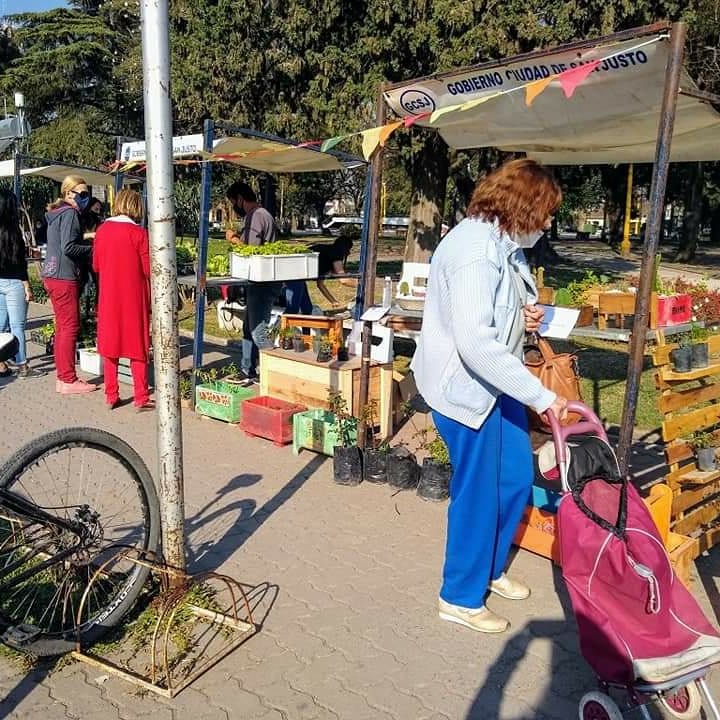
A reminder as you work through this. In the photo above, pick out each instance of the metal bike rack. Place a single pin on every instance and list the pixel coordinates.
(229, 628)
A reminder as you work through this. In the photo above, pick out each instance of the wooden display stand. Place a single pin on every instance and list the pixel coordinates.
(332, 327)
(690, 402)
(617, 305)
(299, 378)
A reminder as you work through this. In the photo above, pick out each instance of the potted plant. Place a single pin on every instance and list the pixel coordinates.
(681, 356)
(286, 338)
(185, 388)
(298, 342)
(575, 293)
(325, 350)
(374, 457)
(436, 471)
(705, 446)
(47, 336)
(698, 346)
(347, 461)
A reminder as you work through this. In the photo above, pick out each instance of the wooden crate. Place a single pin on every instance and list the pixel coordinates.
(331, 326)
(615, 305)
(299, 378)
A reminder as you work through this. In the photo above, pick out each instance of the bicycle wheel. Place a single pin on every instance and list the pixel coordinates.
(100, 486)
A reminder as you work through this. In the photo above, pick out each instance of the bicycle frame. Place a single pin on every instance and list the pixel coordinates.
(25, 509)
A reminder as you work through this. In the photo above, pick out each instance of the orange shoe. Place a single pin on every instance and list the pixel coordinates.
(74, 388)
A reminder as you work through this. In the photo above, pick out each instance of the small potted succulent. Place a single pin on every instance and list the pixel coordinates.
(705, 446)
(681, 356)
(698, 346)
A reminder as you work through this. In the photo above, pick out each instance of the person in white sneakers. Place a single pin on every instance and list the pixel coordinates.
(469, 368)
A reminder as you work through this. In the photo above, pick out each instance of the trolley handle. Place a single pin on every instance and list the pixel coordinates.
(589, 423)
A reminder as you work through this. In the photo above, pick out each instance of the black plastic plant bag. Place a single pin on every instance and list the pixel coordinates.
(347, 465)
(375, 466)
(402, 469)
(434, 481)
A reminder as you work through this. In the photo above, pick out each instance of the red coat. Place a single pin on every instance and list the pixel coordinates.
(121, 257)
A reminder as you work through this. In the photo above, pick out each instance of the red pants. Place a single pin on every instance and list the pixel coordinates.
(65, 299)
(139, 370)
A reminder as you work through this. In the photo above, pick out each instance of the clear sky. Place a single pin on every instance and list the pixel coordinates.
(9, 7)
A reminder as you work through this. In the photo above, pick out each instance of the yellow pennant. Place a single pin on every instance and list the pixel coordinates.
(470, 104)
(533, 89)
(377, 136)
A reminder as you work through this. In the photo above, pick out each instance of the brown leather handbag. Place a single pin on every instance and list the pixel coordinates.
(556, 371)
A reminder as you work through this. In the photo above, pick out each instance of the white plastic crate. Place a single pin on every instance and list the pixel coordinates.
(269, 268)
(90, 361)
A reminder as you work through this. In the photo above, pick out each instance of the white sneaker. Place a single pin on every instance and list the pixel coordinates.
(509, 589)
(481, 619)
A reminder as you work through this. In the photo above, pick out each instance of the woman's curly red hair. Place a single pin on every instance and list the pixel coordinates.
(520, 195)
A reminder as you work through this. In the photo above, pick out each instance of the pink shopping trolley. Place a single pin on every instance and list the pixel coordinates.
(639, 627)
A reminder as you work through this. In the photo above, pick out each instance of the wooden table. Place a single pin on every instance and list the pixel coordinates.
(299, 378)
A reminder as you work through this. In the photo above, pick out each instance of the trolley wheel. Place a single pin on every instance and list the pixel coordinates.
(682, 702)
(596, 705)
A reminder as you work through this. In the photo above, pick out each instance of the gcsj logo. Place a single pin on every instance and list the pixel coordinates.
(417, 102)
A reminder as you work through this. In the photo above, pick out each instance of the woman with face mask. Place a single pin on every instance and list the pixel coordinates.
(469, 368)
(66, 256)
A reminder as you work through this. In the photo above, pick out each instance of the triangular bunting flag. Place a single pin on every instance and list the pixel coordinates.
(470, 104)
(533, 89)
(370, 141)
(412, 119)
(330, 143)
(437, 114)
(570, 79)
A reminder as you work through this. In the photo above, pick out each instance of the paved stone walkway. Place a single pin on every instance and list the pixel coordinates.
(353, 633)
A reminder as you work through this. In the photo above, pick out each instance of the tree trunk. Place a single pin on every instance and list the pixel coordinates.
(693, 212)
(429, 174)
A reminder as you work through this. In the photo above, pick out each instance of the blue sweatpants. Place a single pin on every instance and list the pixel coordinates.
(490, 487)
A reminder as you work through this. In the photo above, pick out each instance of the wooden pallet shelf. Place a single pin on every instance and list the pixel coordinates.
(689, 403)
(669, 375)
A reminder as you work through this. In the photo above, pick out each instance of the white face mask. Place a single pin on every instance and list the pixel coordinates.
(528, 241)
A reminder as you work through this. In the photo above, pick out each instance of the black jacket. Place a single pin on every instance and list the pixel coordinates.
(66, 252)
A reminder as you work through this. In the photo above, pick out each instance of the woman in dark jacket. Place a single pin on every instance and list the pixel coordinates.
(66, 256)
(15, 293)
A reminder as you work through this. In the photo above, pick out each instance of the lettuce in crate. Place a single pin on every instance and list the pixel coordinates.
(218, 266)
(275, 248)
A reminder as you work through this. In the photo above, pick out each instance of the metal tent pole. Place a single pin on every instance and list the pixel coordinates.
(368, 279)
(652, 237)
(163, 274)
(201, 268)
(360, 290)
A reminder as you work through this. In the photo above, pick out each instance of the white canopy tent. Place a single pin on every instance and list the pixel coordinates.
(58, 171)
(637, 105)
(260, 152)
(611, 118)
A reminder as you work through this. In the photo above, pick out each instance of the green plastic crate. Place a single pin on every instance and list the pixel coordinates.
(221, 400)
(316, 430)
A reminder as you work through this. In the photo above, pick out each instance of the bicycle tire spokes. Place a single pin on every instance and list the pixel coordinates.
(86, 499)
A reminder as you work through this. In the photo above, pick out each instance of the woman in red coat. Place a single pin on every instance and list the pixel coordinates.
(121, 257)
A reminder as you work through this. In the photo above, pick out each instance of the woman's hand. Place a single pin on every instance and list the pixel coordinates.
(232, 236)
(559, 408)
(28, 293)
(534, 315)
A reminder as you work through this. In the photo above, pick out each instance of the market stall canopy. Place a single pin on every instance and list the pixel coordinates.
(58, 171)
(611, 116)
(257, 152)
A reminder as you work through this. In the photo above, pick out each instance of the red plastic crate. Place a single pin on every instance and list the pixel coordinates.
(270, 418)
